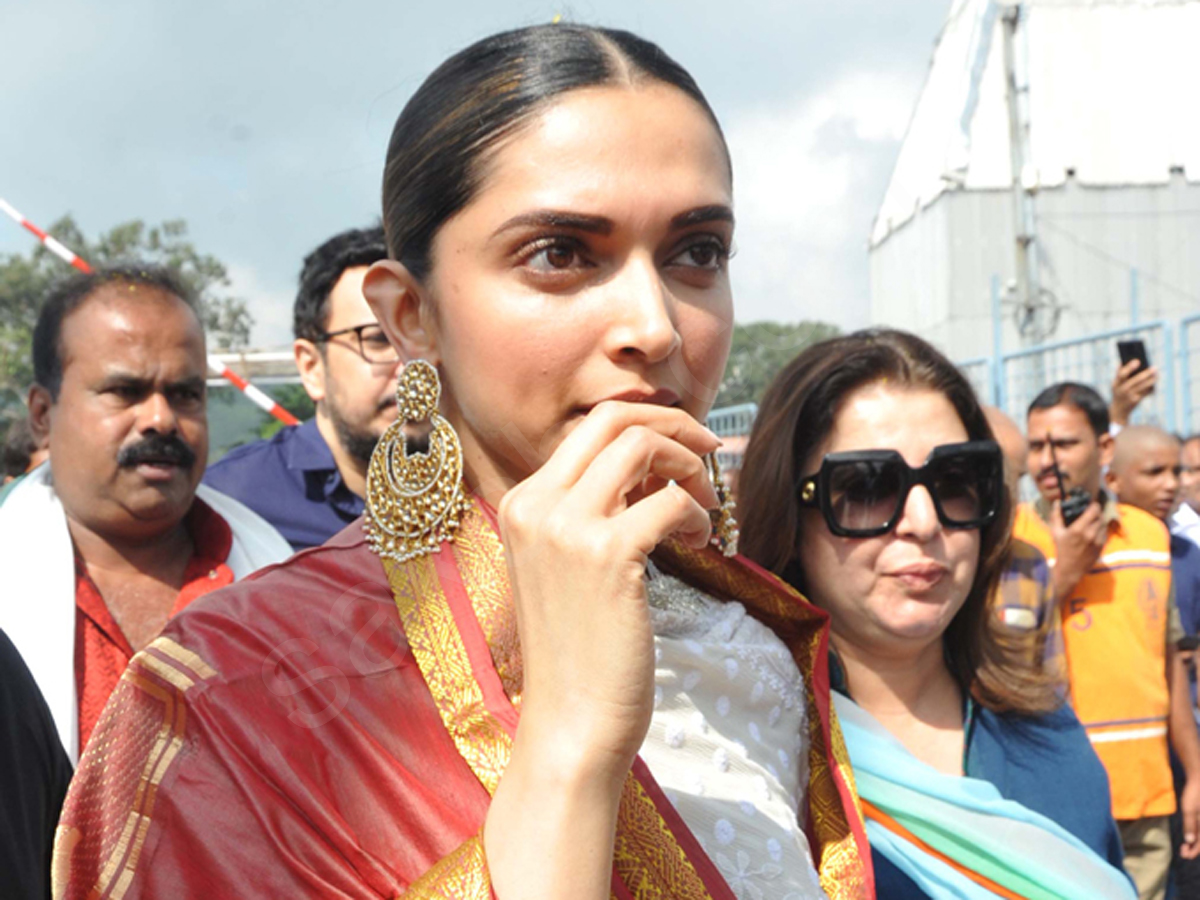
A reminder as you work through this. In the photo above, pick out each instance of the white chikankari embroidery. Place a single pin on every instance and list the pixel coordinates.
(728, 740)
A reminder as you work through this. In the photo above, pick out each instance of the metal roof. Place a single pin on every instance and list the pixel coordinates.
(1107, 92)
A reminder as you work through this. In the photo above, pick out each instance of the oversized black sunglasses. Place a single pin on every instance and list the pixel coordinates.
(862, 493)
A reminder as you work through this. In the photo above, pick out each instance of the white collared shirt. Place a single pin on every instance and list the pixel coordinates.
(1186, 522)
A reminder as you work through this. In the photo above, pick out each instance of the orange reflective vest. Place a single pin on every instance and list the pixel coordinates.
(1115, 632)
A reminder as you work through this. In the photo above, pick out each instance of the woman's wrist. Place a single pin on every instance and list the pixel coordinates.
(551, 825)
(568, 759)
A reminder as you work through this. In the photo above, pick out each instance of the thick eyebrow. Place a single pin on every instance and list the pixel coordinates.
(118, 378)
(114, 377)
(195, 383)
(552, 218)
(715, 213)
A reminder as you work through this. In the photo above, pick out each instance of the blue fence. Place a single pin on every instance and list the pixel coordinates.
(732, 424)
(1188, 335)
(1015, 378)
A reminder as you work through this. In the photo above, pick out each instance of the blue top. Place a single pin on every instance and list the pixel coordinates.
(1046, 764)
(291, 481)
(1185, 576)
(1185, 579)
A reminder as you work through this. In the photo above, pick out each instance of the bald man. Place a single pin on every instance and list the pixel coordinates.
(1145, 473)
(1145, 469)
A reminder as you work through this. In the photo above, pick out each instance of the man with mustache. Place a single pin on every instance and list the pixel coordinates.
(1112, 582)
(104, 543)
(309, 480)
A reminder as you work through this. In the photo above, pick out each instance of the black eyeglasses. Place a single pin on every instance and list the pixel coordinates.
(371, 343)
(862, 493)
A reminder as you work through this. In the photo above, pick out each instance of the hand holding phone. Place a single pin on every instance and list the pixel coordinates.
(1134, 381)
(1133, 350)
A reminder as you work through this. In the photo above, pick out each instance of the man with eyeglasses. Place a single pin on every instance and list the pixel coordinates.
(309, 480)
(1112, 582)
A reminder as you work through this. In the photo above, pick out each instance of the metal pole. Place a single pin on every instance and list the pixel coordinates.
(997, 367)
(263, 401)
(1023, 220)
(1133, 296)
(1168, 375)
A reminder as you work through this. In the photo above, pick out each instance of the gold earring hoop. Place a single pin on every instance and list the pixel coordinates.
(725, 527)
(415, 500)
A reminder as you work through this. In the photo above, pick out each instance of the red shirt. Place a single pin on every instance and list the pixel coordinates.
(101, 649)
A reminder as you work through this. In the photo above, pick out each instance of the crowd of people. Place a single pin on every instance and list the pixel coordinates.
(490, 624)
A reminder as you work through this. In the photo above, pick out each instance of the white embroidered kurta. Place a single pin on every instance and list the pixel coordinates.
(728, 740)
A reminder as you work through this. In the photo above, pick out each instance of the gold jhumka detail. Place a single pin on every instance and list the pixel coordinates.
(415, 500)
(724, 525)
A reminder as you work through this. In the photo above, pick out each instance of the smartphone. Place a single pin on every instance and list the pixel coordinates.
(1131, 350)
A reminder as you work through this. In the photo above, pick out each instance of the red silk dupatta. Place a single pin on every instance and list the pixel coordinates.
(331, 728)
(457, 613)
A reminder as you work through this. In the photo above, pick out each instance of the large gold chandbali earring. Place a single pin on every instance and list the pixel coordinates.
(415, 500)
(724, 525)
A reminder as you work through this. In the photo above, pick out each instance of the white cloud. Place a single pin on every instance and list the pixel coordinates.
(271, 306)
(808, 174)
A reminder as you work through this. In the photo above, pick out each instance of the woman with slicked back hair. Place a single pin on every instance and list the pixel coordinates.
(537, 667)
(872, 482)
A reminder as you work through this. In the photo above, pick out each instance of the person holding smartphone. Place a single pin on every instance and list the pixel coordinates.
(1134, 382)
(1113, 584)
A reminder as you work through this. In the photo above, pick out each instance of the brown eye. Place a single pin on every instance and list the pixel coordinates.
(556, 255)
(708, 253)
(560, 257)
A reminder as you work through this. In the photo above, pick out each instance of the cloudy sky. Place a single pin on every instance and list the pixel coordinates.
(264, 124)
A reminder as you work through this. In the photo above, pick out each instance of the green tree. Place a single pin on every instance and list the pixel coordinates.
(26, 278)
(760, 350)
(292, 397)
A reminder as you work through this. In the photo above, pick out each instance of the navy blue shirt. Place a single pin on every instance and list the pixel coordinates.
(291, 481)
(1185, 579)
(1185, 576)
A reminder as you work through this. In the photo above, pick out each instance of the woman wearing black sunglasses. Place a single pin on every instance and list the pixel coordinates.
(872, 483)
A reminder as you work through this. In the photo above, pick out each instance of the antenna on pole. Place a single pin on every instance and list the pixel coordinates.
(1036, 309)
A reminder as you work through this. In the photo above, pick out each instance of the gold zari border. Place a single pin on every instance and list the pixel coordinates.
(440, 654)
(463, 875)
(180, 670)
(647, 856)
(121, 865)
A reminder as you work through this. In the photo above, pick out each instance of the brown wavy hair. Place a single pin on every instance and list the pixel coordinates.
(796, 416)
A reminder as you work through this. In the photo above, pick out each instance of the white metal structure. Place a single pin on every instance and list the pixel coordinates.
(1055, 145)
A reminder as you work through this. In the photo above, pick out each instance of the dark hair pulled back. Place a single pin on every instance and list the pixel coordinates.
(798, 413)
(482, 95)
